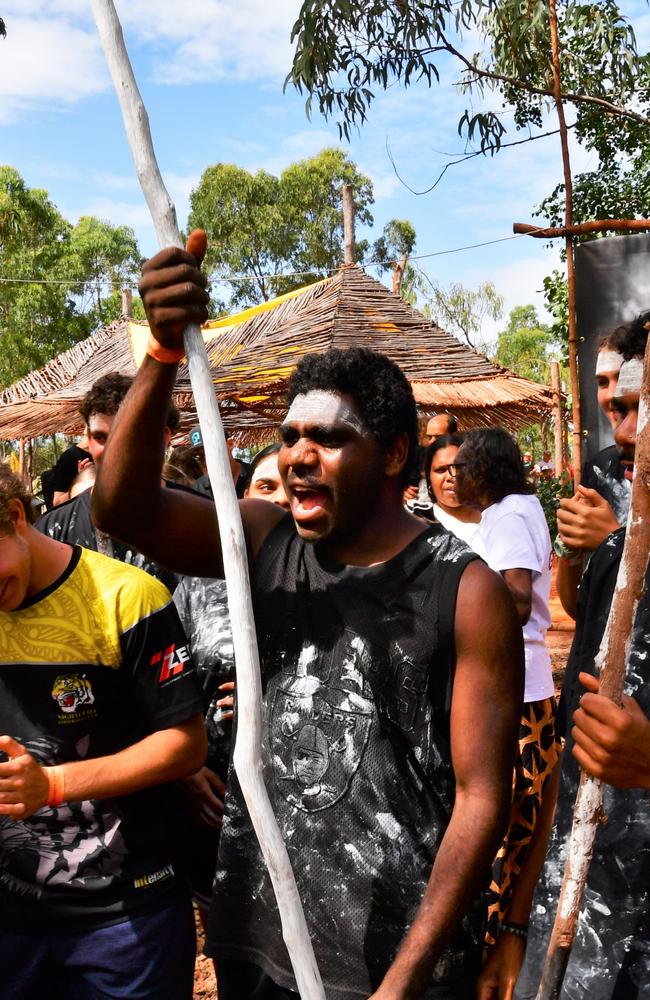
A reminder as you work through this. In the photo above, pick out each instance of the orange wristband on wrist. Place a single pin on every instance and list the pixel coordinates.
(164, 355)
(57, 785)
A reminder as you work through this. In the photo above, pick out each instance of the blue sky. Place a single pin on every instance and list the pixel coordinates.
(211, 75)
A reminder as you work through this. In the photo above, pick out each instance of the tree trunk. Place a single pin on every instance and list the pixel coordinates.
(247, 753)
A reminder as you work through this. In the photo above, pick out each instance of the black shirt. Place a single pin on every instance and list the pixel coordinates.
(605, 474)
(67, 467)
(357, 668)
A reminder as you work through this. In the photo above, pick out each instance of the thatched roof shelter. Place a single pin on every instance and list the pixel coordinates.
(252, 355)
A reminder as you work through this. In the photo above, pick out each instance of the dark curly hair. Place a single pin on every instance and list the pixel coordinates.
(629, 339)
(11, 488)
(494, 464)
(442, 441)
(106, 395)
(378, 387)
(633, 342)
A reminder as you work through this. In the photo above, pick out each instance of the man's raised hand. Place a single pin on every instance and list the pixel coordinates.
(173, 290)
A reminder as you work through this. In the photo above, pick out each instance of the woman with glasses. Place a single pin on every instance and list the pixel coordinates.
(440, 475)
(514, 540)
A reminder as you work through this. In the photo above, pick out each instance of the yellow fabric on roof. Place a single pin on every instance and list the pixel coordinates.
(242, 317)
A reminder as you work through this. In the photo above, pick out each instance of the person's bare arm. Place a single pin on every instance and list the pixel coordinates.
(501, 971)
(165, 755)
(175, 528)
(567, 581)
(612, 743)
(520, 584)
(485, 714)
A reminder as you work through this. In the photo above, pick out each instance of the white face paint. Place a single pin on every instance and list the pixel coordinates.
(324, 409)
(608, 361)
(267, 469)
(630, 378)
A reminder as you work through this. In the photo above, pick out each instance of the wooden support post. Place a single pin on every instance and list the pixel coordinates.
(127, 302)
(247, 753)
(398, 273)
(558, 421)
(349, 242)
(21, 459)
(612, 664)
(570, 268)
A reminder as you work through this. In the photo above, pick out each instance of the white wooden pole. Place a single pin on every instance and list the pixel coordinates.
(247, 754)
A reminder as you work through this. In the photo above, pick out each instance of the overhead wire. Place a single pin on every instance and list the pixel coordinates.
(105, 282)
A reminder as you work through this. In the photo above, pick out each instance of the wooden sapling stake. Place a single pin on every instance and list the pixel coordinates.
(612, 664)
(247, 754)
(349, 241)
(558, 421)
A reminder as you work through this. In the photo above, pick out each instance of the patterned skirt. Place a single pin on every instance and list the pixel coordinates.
(539, 750)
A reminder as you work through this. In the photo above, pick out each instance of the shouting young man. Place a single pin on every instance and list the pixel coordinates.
(98, 704)
(392, 674)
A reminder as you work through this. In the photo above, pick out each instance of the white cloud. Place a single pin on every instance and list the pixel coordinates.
(118, 213)
(213, 39)
(52, 55)
(133, 211)
(47, 62)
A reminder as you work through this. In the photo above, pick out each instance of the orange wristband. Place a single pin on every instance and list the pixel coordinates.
(163, 354)
(57, 785)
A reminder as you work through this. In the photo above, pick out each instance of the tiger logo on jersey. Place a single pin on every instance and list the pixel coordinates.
(72, 691)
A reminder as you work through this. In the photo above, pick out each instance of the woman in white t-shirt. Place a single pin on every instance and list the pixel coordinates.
(514, 540)
(441, 484)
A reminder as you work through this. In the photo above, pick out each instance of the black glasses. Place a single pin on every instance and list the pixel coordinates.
(450, 469)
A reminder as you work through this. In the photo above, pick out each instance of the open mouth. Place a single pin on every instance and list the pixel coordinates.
(308, 502)
(628, 472)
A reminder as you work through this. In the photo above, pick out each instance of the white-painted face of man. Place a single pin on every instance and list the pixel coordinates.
(608, 364)
(626, 408)
(325, 408)
(330, 463)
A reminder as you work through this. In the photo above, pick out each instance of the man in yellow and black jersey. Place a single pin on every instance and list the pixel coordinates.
(99, 710)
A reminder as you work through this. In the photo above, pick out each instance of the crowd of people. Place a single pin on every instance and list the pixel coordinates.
(419, 769)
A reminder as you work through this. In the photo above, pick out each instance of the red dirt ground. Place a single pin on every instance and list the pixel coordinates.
(558, 640)
(205, 983)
